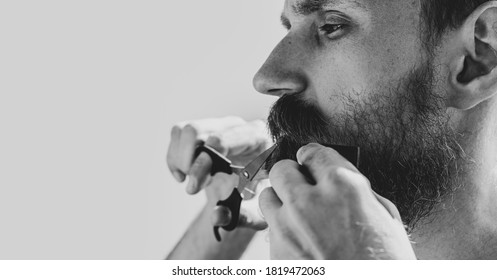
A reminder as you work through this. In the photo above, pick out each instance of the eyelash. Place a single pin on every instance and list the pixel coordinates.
(329, 29)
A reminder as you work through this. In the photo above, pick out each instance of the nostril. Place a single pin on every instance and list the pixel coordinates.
(280, 91)
(274, 91)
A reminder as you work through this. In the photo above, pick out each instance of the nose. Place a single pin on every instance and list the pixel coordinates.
(282, 73)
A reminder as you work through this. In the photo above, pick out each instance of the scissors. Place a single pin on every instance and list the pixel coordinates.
(247, 174)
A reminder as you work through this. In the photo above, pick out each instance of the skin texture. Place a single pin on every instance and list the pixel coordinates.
(374, 51)
(363, 56)
(352, 52)
(236, 139)
(346, 220)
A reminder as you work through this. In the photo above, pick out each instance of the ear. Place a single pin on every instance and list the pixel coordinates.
(472, 76)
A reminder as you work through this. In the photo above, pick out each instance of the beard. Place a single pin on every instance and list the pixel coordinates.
(409, 152)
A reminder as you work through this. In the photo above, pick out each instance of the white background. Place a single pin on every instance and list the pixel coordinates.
(89, 91)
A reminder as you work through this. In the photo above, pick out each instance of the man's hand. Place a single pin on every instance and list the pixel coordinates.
(323, 208)
(233, 137)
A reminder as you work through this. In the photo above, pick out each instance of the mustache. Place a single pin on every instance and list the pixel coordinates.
(409, 152)
(292, 117)
(293, 123)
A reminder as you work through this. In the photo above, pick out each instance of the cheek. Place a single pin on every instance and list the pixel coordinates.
(355, 73)
(369, 61)
(343, 78)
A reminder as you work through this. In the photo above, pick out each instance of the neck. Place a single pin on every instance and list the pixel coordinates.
(464, 225)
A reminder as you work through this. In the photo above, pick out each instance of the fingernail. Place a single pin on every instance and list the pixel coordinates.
(299, 154)
(192, 186)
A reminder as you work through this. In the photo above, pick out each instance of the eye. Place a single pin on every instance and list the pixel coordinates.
(329, 29)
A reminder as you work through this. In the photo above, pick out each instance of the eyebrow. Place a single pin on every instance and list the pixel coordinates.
(307, 7)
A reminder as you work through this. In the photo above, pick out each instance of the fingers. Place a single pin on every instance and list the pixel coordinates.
(231, 136)
(172, 160)
(198, 173)
(269, 203)
(180, 151)
(318, 159)
(188, 140)
(243, 139)
(213, 124)
(287, 180)
(186, 136)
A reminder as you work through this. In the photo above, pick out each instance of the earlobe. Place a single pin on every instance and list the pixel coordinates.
(473, 75)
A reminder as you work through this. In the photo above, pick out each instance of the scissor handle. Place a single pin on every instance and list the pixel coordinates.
(233, 203)
(219, 162)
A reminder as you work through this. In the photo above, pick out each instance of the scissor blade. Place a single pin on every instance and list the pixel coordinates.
(250, 171)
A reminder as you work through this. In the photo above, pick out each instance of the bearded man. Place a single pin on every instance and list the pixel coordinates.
(409, 82)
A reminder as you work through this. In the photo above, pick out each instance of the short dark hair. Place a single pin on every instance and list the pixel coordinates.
(442, 15)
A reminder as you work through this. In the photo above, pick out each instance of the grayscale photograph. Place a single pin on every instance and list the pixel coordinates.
(248, 130)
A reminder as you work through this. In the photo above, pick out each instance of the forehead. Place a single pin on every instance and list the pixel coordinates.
(304, 7)
(379, 7)
(385, 16)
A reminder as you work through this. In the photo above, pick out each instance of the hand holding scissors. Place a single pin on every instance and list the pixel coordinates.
(246, 175)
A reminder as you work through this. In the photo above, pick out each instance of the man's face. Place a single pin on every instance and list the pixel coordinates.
(357, 73)
(341, 46)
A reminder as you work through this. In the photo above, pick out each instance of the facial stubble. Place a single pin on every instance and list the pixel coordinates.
(409, 152)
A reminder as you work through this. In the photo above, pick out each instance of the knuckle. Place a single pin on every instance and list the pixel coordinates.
(277, 170)
(200, 162)
(365, 181)
(190, 130)
(338, 175)
(310, 152)
(213, 139)
(216, 141)
(345, 181)
(175, 131)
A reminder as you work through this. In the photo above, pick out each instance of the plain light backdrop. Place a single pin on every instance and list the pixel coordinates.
(89, 91)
